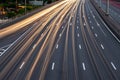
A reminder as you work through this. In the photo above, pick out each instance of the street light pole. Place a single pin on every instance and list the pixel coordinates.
(100, 3)
(107, 7)
(25, 6)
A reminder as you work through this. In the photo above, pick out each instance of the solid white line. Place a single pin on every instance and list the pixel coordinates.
(16, 40)
(102, 46)
(53, 66)
(21, 65)
(80, 46)
(96, 35)
(57, 46)
(110, 30)
(113, 66)
(83, 64)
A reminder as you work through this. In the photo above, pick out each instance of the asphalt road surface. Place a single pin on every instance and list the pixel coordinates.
(68, 41)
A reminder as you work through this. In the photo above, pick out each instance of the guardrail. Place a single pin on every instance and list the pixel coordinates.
(113, 25)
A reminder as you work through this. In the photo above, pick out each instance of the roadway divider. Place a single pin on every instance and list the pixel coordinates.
(27, 15)
(112, 24)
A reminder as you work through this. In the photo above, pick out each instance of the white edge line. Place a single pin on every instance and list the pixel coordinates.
(109, 30)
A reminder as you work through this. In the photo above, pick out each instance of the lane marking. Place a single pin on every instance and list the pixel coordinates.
(113, 66)
(42, 34)
(70, 24)
(77, 27)
(92, 27)
(78, 35)
(57, 46)
(110, 30)
(2, 49)
(84, 24)
(6, 46)
(96, 35)
(98, 24)
(102, 46)
(90, 22)
(80, 47)
(93, 16)
(60, 35)
(22, 65)
(16, 40)
(34, 46)
(62, 27)
(83, 64)
(53, 66)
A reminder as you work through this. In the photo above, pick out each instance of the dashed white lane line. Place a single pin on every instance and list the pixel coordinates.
(83, 64)
(84, 24)
(60, 35)
(42, 34)
(92, 27)
(77, 27)
(80, 47)
(22, 65)
(53, 66)
(98, 24)
(34, 46)
(102, 46)
(90, 22)
(96, 35)
(78, 35)
(57, 46)
(113, 66)
(70, 24)
(62, 27)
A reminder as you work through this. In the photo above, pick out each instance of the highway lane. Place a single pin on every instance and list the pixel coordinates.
(73, 44)
(111, 52)
(38, 32)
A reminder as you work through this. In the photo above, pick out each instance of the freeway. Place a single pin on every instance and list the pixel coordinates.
(68, 41)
